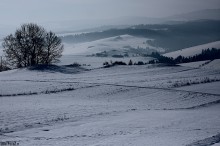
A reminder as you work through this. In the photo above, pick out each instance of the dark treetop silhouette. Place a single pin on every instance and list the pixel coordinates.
(32, 45)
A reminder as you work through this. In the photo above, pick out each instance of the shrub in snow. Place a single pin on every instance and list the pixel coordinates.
(75, 64)
(130, 62)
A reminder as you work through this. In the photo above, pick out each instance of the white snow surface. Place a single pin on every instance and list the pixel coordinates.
(193, 50)
(119, 106)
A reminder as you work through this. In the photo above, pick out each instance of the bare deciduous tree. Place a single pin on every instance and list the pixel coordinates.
(32, 45)
(53, 48)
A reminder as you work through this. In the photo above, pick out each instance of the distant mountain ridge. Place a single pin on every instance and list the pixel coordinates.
(208, 14)
(102, 24)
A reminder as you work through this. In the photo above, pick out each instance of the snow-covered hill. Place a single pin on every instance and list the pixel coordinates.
(193, 50)
(119, 43)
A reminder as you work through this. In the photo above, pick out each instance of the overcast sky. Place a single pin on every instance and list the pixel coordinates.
(15, 12)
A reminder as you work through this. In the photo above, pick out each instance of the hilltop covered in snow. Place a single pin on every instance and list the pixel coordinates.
(120, 44)
(193, 50)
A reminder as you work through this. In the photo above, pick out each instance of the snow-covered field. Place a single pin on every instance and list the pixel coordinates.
(193, 50)
(123, 43)
(122, 105)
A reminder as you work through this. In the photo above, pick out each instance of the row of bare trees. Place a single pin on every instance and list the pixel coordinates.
(32, 45)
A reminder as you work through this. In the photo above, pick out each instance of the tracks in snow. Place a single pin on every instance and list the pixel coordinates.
(207, 141)
(90, 85)
(99, 84)
(46, 92)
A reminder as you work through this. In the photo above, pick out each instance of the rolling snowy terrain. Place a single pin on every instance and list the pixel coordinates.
(120, 43)
(110, 73)
(153, 105)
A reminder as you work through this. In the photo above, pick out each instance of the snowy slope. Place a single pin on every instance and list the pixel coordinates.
(122, 105)
(195, 64)
(123, 42)
(215, 64)
(208, 64)
(193, 50)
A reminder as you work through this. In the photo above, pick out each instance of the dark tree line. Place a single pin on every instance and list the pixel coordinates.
(161, 59)
(92, 36)
(32, 45)
(209, 54)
